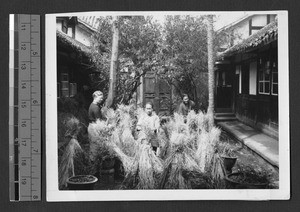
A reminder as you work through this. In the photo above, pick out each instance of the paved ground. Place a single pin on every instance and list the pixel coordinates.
(247, 158)
(264, 145)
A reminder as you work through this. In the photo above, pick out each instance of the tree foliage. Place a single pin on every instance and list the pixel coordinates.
(139, 43)
(185, 56)
(176, 51)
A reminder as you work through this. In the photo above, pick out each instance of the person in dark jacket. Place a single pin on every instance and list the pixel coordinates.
(95, 108)
(186, 105)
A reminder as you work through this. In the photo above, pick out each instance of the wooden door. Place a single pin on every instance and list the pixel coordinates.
(158, 92)
(224, 89)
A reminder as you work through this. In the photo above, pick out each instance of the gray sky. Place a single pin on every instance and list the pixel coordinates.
(222, 19)
(227, 18)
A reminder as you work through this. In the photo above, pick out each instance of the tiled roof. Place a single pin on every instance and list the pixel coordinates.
(92, 22)
(264, 36)
(233, 24)
(64, 39)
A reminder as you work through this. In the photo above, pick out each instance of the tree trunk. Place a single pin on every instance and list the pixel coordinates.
(211, 76)
(113, 63)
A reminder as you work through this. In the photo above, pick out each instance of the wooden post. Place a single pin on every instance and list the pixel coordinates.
(156, 97)
(113, 63)
(211, 76)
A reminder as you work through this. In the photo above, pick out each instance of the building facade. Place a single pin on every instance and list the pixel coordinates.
(74, 68)
(247, 76)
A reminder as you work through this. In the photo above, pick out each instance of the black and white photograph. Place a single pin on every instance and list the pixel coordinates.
(167, 106)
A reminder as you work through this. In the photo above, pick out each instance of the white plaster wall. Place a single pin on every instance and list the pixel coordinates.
(259, 20)
(238, 71)
(59, 25)
(242, 30)
(82, 36)
(252, 78)
(272, 18)
(70, 31)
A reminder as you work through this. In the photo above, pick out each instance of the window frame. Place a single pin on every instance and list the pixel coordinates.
(264, 65)
(274, 71)
(64, 26)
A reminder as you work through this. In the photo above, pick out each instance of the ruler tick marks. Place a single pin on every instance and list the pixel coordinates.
(25, 158)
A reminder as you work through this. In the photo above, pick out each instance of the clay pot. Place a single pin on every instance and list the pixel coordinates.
(108, 163)
(238, 181)
(108, 175)
(82, 182)
(228, 163)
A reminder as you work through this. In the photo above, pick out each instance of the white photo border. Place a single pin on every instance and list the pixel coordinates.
(54, 194)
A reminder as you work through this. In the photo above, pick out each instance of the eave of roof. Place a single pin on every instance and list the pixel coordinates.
(72, 43)
(263, 37)
(93, 28)
(231, 25)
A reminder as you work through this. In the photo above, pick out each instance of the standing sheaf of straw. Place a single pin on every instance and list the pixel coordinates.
(187, 147)
(66, 166)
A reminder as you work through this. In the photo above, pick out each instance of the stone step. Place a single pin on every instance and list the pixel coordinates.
(223, 110)
(224, 114)
(217, 119)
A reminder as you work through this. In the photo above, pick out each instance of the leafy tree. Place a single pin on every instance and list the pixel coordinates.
(177, 52)
(185, 56)
(139, 43)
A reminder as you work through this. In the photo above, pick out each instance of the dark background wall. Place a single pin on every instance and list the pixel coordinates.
(60, 6)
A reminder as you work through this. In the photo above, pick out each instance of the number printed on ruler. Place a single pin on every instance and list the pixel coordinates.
(29, 108)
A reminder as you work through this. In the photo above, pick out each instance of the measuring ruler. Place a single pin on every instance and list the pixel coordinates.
(25, 108)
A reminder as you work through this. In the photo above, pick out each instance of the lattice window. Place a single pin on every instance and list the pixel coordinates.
(58, 90)
(274, 80)
(264, 77)
(73, 89)
(64, 27)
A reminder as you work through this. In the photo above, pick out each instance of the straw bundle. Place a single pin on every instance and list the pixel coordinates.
(149, 165)
(111, 117)
(115, 138)
(141, 170)
(202, 150)
(128, 143)
(163, 141)
(192, 121)
(186, 156)
(175, 179)
(179, 124)
(126, 110)
(180, 158)
(140, 112)
(204, 123)
(66, 165)
(127, 161)
(98, 129)
(125, 121)
(99, 134)
(214, 138)
(206, 147)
